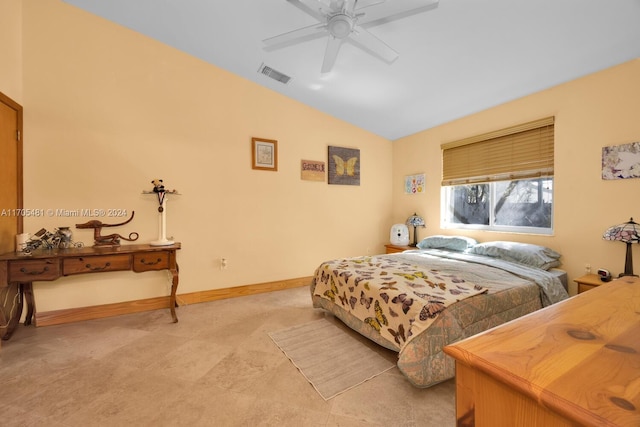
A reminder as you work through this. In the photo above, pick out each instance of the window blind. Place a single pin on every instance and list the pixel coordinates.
(518, 152)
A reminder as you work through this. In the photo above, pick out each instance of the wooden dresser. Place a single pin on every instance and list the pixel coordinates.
(576, 363)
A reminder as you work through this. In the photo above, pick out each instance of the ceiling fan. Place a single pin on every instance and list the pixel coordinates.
(347, 21)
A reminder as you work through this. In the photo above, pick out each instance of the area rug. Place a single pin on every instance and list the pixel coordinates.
(331, 359)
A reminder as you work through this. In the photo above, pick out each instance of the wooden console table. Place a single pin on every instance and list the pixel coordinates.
(51, 264)
(575, 363)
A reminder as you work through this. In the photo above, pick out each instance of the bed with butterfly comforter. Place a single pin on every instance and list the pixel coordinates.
(419, 301)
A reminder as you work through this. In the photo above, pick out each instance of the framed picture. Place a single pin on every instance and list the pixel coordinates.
(344, 166)
(414, 184)
(264, 154)
(312, 170)
(621, 161)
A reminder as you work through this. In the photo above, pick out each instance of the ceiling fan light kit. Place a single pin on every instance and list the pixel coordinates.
(341, 20)
(340, 25)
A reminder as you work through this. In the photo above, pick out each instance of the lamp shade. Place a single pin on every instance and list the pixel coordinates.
(415, 220)
(626, 232)
(629, 233)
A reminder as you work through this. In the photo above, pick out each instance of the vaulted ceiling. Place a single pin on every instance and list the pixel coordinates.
(458, 58)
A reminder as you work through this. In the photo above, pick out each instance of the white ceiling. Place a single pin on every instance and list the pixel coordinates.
(462, 57)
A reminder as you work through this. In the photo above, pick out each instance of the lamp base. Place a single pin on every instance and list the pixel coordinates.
(628, 262)
(162, 242)
(415, 236)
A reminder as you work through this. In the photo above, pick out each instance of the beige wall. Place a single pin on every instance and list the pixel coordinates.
(591, 112)
(11, 49)
(106, 110)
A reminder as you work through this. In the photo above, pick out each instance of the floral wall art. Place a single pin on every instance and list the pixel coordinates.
(621, 161)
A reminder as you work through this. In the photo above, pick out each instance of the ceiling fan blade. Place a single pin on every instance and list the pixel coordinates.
(370, 43)
(294, 37)
(331, 53)
(349, 6)
(315, 8)
(385, 12)
(361, 4)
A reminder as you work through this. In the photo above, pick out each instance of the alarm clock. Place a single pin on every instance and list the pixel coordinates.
(399, 235)
(605, 276)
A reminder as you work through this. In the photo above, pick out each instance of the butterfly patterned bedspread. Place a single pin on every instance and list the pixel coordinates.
(397, 298)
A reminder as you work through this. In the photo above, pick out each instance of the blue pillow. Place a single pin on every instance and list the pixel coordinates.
(449, 243)
(523, 253)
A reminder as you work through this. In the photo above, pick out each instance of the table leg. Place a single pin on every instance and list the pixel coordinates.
(27, 289)
(172, 299)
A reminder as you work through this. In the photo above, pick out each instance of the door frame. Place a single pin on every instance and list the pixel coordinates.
(18, 109)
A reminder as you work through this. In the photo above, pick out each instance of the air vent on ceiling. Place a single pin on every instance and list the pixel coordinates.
(275, 75)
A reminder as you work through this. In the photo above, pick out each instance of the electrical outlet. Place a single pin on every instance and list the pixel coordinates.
(223, 263)
(587, 268)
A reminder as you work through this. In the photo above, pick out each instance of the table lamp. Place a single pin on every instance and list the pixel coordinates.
(415, 221)
(628, 232)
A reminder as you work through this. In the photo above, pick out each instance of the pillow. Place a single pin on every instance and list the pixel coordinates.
(450, 243)
(523, 253)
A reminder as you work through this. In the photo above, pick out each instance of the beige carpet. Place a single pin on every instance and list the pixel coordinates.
(331, 359)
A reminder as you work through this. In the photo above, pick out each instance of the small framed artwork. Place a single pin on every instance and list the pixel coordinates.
(264, 154)
(414, 184)
(621, 161)
(311, 170)
(344, 166)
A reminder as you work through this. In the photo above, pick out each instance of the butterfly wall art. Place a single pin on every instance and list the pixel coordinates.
(344, 166)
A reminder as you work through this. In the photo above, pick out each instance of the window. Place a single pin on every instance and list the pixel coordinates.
(501, 181)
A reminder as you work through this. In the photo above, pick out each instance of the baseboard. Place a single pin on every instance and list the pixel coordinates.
(70, 315)
(240, 291)
(57, 317)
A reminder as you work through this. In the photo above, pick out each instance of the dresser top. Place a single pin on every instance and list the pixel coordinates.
(579, 358)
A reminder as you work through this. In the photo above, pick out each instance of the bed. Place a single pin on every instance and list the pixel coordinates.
(448, 288)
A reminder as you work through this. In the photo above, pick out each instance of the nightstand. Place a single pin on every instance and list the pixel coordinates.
(587, 282)
(392, 249)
